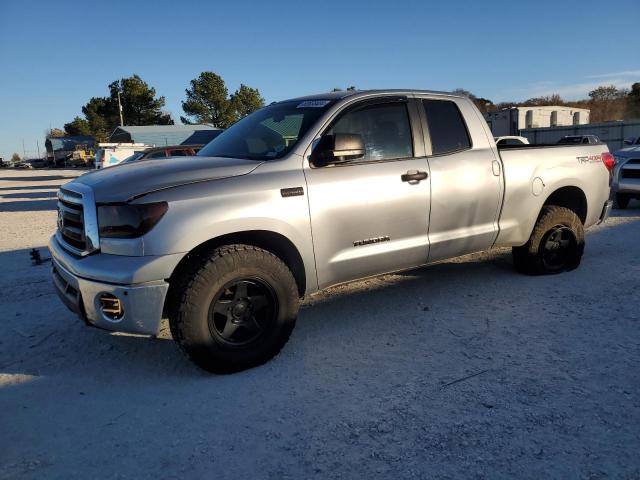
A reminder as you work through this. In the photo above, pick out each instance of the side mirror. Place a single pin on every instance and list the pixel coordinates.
(628, 141)
(338, 148)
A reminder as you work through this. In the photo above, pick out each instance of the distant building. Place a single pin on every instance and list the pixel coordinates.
(511, 120)
(59, 148)
(161, 135)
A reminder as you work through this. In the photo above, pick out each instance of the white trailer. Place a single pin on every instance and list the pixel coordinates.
(110, 154)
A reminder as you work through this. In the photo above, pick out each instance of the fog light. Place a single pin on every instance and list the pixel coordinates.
(111, 306)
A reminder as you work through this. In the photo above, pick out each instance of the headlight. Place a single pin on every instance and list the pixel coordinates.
(129, 221)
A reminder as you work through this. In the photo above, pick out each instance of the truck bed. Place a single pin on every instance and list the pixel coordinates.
(535, 172)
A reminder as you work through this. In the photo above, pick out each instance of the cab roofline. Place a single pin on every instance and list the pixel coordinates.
(342, 94)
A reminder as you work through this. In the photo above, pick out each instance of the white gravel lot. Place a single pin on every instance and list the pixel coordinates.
(366, 387)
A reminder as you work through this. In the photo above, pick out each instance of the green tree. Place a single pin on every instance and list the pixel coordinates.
(102, 116)
(606, 93)
(208, 101)
(140, 106)
(55, 133)
(15, 158)
(244, 101)
(78, 126)
(547, 100)
(139, 103)
(633, 102)
(607, 103)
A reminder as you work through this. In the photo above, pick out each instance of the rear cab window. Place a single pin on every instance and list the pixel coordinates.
(447, 128)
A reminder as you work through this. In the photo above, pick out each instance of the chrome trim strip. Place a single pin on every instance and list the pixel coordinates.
(90, 215)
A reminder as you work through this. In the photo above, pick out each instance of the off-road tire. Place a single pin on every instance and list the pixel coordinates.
(622, 201)
(198, 287)
(529, 258)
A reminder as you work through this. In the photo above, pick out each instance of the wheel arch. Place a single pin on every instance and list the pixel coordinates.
(570, 197)
(273, 242)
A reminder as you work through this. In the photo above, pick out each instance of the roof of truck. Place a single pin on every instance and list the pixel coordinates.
(349, 93)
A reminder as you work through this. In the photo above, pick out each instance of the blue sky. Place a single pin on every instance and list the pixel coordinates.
(55, 56)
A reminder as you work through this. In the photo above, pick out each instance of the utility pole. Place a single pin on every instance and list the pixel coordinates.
(120, 108)
(38, 146)
(24, 153)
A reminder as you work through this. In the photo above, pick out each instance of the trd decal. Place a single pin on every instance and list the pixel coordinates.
(589, 158)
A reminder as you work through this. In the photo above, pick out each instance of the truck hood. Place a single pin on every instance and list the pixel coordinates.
(124, 182)
(628, 152)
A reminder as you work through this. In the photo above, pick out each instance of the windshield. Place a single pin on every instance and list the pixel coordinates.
(570, 140)
(268, 133)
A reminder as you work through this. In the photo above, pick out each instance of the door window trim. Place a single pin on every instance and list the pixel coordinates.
(428, 145)
(414, 129)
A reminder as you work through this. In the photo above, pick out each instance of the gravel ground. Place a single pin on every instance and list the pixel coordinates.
(463, 369)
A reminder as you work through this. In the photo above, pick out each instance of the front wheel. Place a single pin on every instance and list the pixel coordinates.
(236, 310)
(555, 245)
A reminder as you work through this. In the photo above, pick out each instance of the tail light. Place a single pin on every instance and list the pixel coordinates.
(609, 161)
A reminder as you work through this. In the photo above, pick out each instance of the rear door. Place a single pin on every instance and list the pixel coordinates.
(367, 216)
(466, 182)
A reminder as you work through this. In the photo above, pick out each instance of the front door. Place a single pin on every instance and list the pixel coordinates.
(371, 215)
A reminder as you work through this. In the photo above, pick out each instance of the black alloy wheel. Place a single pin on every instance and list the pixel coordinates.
(559, 248)
(242, 311)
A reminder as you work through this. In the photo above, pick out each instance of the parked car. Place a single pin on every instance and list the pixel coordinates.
(308, 193)
(511, 140)
(164, 152)
(37, 162)
(626, 176)
(579, 139)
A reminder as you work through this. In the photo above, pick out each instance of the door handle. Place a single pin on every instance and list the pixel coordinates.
(414, 176)
(495, 166)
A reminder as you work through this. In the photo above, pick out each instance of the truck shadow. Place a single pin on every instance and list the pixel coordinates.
(42, 336)
(32, 195)
(54, 187)
(37, 178)
(28, 205)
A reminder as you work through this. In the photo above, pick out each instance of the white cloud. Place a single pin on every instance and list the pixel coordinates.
(570, 91)
(626, 73)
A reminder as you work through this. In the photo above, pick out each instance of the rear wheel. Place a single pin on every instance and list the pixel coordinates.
(236, 310)
(622, 200)
(556, 243)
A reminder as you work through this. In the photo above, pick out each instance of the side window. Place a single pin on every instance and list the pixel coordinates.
(159, 154)
(446, 127)
(384, 128)
(178, 153)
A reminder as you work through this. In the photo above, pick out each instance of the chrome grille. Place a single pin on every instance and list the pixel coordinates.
(631, 169)
(71, 224)
(77, 223)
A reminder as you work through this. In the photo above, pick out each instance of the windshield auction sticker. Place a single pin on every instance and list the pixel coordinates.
(313, 104)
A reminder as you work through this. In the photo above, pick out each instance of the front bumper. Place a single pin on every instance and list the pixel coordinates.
(142, 303)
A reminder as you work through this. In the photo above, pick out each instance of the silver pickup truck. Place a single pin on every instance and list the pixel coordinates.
(308, 193)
